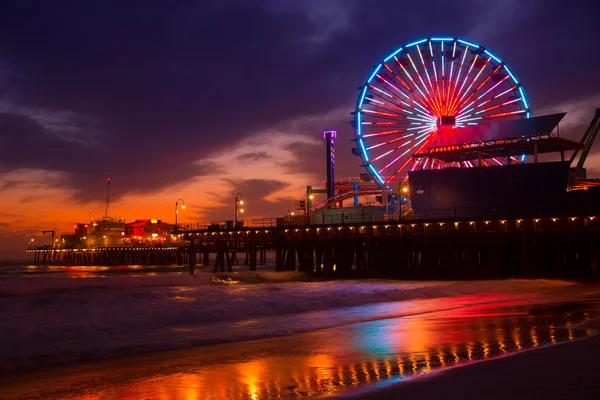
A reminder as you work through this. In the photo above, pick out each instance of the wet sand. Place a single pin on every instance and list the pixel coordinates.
(338, 361)
(563, 371)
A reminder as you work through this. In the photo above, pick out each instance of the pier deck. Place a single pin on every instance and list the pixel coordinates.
(564, 247)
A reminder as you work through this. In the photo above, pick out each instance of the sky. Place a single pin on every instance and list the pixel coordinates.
(202, 100)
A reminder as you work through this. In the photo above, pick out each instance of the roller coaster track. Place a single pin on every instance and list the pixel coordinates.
(344, 196)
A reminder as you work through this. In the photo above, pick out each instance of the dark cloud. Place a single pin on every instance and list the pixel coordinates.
(261, 155)
(166, 83)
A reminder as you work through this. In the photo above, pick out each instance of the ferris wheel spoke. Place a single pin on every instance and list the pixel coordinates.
(479, 87)
(405, 164)
(383, 133)
(390, 151)
(455, 99)
(456, 81)
(423, 103)
(471, 85)
(498, 106)
(390, 141)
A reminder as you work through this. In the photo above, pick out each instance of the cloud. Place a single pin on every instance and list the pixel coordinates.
(494, 18)
(326, 18)
(579, 113)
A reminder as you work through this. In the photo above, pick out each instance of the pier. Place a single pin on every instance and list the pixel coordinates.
(565, 247)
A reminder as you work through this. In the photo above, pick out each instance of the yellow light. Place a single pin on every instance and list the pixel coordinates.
(592, 218)
(293, 213)
(328, 229)
(241, 201)
(242, 210)
(441, 224)
(572, 218)
(351, 227)
(153, 221)
(386, 227)
(487, 222)
(405, 189)
(413, 225)
(456, 224)
(537, 220)
(471, 223)
(183, 207)
(553, 219)
(426, 224)
(286, 230)
(519, 221)
(307, 229)
(339, 228)
(311, 197)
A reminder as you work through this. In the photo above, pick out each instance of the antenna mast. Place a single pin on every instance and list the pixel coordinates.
(107, 199)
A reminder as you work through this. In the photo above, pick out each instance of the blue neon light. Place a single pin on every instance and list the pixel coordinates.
(523, 157)
(438, 39)
(358, 123)
(511, 74)
(362, 147)
(392, 55)
(362, 97)
(417, 42)
(493, 56)
(523, 97)
(374, 73)
(468, 43)
(375, 173)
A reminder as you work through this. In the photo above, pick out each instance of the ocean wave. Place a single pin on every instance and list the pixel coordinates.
(45, 323)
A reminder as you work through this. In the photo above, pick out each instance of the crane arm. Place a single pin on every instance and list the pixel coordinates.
(588, 139)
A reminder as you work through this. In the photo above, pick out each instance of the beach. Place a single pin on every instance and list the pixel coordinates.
(159, 333)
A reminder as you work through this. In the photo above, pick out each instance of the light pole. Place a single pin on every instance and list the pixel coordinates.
(238, 202)
(177, 210)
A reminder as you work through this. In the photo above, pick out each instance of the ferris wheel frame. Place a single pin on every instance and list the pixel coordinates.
(499, 65)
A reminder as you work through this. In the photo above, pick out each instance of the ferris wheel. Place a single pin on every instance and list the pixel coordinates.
(425, 91)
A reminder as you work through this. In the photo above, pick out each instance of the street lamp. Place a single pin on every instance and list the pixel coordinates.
(177, 210)
(238, 202)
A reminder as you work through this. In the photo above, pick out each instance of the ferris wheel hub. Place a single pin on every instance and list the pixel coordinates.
(447, 120)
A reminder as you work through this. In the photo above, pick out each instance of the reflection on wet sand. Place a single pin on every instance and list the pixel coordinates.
(326, 362)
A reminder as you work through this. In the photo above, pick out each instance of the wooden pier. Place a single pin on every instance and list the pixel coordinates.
(566, 247)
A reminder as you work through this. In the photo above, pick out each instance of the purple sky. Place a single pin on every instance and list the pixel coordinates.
(204, 99)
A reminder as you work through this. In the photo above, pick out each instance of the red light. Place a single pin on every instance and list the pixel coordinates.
(85, 225)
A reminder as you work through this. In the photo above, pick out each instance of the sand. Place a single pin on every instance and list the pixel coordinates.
(564, 371)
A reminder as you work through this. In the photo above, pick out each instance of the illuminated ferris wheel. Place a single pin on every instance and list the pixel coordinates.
(428, 91)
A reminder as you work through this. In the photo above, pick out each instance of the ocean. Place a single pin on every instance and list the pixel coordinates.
(56, 318)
